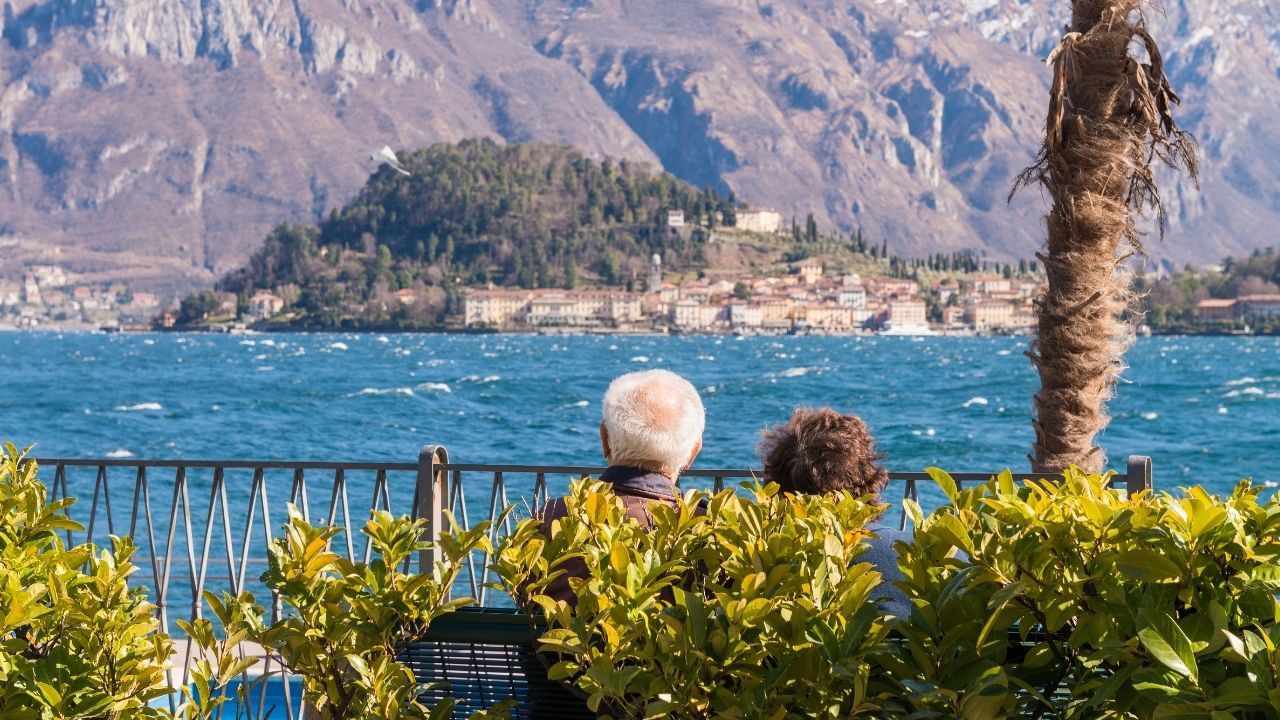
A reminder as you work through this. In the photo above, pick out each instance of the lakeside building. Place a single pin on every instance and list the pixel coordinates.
(696, 315)
(493, 307)
(831, 317)
(907, 317)
(988, 315)
(746, 316)
(551, 308)
(1259, 307)
(1246, 307)
(1216, 309)
(265, 304)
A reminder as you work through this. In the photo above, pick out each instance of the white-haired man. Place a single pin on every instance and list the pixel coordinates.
(651, 432)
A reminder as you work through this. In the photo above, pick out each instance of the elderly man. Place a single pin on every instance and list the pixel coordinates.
(651, 432)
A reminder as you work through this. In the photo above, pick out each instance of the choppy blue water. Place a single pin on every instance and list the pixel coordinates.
(1206, 409)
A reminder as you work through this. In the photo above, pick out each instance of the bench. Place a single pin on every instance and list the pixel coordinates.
(482, 656)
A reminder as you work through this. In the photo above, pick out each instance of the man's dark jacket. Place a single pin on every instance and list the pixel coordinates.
(636, 488)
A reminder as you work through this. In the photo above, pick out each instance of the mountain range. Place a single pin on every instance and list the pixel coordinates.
(160, 140)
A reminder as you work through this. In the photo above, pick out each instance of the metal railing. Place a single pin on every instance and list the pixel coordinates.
(206, 524)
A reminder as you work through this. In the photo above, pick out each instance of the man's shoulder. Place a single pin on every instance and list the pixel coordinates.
(554, 509)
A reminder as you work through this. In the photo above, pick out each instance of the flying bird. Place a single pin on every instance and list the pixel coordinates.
(388, 156)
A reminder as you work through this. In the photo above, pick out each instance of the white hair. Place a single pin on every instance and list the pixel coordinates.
(654, 419)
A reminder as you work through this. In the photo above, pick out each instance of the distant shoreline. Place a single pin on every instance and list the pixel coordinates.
(549, 332)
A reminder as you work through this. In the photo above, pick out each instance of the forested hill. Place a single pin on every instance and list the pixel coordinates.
(471, 213)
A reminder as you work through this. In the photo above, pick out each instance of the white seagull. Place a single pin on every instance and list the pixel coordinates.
(388, 156)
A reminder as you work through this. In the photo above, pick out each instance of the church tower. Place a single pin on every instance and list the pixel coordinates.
(655, 273)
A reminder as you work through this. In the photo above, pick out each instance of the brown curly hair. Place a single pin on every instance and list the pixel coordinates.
(819, 451)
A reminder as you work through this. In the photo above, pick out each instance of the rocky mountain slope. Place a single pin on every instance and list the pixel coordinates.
(161, 139)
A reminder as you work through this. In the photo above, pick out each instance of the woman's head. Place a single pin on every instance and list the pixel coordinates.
(820, 450)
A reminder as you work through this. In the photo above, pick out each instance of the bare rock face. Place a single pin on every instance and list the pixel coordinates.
(160, 139)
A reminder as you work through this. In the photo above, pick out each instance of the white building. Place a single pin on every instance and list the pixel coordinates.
(761, 221)
(31, 290)
(265, 304)
(907, 317)
(743, 315)
(494, 307)
(675, 218)
(693, 315)
(49, 276)
(989, 315)
(810, 272)
(851, 297)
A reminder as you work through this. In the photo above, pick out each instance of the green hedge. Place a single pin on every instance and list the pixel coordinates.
(1046, 599)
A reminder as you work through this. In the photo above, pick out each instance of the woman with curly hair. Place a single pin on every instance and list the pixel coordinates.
(822, 451)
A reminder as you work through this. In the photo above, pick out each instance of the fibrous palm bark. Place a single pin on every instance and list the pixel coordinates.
(1110, 117)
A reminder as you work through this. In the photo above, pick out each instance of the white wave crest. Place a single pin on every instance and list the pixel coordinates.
(435, 387)
(796, 372)
(119, 453)
(1150, 415)
(407, 392)
(708, 358)
(640, 359)
(1246, 391)
(338, 346)
(140, 407)
(977, 400)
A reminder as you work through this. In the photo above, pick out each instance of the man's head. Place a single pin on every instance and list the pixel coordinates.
(652, 420)
(820, 451)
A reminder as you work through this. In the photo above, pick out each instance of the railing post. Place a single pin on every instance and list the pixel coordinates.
(1139, 477)
(432, 497)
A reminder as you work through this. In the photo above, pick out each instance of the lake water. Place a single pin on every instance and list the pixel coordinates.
(1206, 409)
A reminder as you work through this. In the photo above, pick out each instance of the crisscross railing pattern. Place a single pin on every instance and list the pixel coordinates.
(206, 524)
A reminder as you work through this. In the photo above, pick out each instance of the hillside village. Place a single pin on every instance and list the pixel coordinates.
(809, 298)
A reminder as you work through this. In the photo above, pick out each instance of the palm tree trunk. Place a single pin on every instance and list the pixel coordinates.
(1109, 117)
